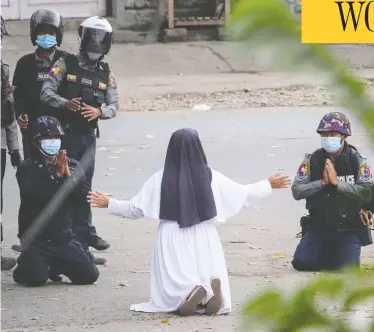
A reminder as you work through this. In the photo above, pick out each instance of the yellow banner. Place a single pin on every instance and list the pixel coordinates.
(337, 22)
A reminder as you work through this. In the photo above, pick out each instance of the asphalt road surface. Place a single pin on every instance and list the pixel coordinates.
(246, 145)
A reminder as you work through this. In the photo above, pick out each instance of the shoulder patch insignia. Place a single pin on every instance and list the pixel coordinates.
(365, 172)
(56, 68)
(112, 81)
(304, 167)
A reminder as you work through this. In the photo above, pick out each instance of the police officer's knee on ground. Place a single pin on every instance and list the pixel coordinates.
(50, 249)
(83, 87)
(336, 183)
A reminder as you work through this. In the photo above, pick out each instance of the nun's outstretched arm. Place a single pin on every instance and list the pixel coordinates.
(264, 188)
(257, 191)
(124, 208)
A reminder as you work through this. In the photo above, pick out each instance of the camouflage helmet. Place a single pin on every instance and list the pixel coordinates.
(335, 122)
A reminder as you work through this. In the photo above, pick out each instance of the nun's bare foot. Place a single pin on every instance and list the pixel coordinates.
(214, 304)
(189, 307)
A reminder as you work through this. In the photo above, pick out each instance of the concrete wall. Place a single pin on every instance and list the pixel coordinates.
(142, 14)
(135, 14)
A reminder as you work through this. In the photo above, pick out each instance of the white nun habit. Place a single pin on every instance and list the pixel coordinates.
(184, 258)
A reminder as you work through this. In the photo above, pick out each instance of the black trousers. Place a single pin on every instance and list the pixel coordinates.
(3, 164)
(42, 259)
(26, 143)
(77, 145)
(319, 250)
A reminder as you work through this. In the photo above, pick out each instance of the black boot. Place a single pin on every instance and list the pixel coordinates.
(17, 247)
(100, 244)
(99, 260)
(55, 278)
(7, 263)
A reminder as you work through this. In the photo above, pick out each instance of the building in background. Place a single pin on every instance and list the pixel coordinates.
(23, 9)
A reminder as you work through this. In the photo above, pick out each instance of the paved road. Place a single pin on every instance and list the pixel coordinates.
(247, 145)
(154, 70)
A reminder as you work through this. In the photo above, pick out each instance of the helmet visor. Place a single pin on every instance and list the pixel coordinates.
(96, 41)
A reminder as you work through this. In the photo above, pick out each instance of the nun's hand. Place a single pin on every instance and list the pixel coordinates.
(98, 199)
(279, 181)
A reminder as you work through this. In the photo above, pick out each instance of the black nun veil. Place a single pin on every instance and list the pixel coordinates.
(186, 192)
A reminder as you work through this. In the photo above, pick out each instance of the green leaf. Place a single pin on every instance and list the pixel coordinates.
(371, 328)
(265, 306)
(302, 313)
(327, 286)
(358, 296)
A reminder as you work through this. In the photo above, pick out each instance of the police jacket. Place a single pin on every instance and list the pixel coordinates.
(38, 183)
(334, 207)
(75, 76)
(9, 133)
(29, 76)
(91, 86)
(7, 102)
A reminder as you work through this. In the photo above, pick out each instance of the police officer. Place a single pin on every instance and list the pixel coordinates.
(84, 88)
(51, 249)
(9, 139)
(336, 182)
(46, 32)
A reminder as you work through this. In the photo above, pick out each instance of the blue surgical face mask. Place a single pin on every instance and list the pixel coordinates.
(46, 41)
(50, 147)
(331, 144)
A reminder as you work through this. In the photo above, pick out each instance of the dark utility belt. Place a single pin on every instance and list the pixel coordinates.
(363, 232)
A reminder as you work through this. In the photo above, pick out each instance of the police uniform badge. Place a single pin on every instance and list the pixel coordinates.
(56, 68)
(112, 81)
(304, 167)
(365, 172)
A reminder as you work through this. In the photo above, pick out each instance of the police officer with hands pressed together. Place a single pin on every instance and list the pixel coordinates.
(46, 32)
(83, 87)
(9, 139)
(51, 249)
(336, 183)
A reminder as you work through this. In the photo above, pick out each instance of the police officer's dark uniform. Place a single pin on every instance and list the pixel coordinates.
(53, 250)
(32, 69)
(332, 232)
(9, 139)
(84, 76)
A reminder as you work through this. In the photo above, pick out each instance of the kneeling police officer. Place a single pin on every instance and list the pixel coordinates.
(336, 183)
(53, 250)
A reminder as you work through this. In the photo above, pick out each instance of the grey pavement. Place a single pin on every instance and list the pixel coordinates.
(247, 145)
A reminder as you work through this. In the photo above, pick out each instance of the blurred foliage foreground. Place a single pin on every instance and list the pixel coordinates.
(329, 303)
(341, 303)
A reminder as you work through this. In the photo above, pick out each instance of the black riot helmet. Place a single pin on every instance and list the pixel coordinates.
(46, 18)
(44, 127)
(95, 37)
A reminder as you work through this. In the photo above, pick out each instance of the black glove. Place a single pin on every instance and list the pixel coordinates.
(15, 158)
